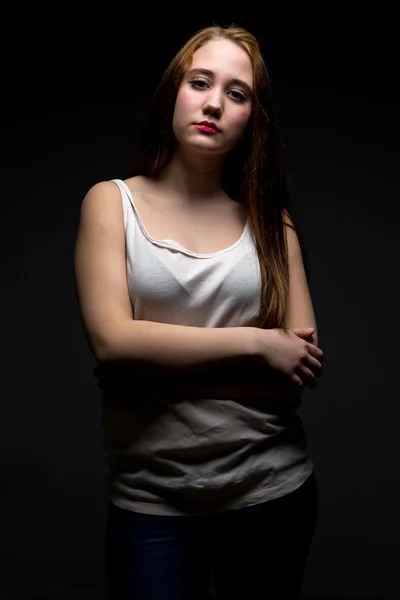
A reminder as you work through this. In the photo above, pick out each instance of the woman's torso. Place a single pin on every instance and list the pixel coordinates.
(195, 265)
(201, 227)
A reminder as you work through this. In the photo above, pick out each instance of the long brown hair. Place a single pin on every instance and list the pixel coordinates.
(254, 172)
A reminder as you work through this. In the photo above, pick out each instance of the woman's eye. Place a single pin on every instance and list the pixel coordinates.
(239, 96)
(195, 82)
(200, 84)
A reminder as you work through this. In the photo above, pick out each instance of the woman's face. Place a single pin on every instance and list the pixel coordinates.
(218, 88)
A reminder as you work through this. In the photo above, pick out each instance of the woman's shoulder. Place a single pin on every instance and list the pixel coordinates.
(140, 183)
(102, 189)
(101, 198)
(108, 189)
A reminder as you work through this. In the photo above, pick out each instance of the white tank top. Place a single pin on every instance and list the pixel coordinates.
(202, 455)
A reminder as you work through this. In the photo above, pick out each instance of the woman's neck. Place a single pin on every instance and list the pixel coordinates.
(192, 178)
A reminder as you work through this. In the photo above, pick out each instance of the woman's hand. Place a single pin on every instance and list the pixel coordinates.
(290, 356)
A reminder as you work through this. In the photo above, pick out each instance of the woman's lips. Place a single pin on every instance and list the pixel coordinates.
(205, 128)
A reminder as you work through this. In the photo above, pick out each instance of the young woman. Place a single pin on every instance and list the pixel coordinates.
(195, 303)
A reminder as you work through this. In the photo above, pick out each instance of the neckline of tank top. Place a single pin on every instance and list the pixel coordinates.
(167, 243)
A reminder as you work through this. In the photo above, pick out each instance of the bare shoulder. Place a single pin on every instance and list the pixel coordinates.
(102, 203)
(140, 183)
(101, 192)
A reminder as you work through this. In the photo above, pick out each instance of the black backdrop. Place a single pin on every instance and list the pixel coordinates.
(70, 105)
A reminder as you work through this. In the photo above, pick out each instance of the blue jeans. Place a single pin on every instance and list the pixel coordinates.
(249, 553)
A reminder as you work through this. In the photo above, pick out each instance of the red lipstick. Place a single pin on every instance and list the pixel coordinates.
(207, 126)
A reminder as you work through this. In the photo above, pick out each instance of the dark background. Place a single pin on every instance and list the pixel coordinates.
(71, 98)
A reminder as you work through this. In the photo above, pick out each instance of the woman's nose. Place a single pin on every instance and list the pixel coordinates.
(213, 105)
(214, 101)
